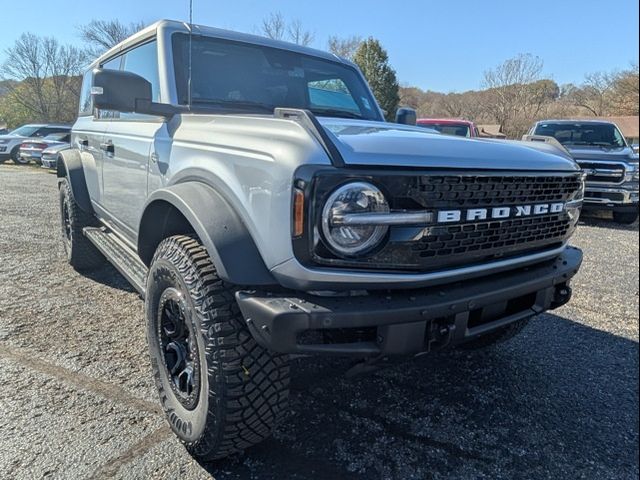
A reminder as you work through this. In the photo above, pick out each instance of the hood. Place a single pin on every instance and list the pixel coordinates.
(621, 154)
(389, 144)
(11, 137)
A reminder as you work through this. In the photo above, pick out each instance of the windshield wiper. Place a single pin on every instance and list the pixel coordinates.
(333, 112)
(604, 144)
(243, 104)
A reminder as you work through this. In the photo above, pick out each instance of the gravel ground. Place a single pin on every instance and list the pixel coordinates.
(77, 401)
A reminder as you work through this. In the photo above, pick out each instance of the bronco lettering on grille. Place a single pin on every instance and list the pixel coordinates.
(474, 214)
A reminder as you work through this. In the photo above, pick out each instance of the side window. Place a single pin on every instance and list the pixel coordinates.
(331, 93)
(86, 101)
(143, 61)
(113, 64)
(618, 139)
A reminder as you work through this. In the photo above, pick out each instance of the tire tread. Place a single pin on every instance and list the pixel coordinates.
(84, 255)
(243, 408)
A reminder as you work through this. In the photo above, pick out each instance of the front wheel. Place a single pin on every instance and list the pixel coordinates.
(17, 159)
(220, 390)
(626, 218)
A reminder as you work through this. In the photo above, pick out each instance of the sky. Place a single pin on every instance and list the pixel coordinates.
(436, 45)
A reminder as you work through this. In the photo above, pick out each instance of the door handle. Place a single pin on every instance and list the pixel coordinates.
(107, 146)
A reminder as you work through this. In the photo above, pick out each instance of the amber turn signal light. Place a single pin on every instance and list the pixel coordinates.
(298, 212)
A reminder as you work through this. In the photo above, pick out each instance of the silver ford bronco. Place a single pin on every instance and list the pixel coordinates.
(253, 194)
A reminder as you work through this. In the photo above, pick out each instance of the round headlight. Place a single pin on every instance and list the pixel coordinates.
(342, 231)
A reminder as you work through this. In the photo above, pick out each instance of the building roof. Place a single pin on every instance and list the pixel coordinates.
(492, 130)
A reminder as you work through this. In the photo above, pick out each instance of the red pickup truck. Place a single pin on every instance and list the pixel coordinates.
(449, 126)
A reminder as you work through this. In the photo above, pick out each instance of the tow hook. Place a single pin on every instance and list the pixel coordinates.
(561, 296)
(440, 335)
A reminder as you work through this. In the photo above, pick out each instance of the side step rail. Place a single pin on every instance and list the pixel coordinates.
(122, 257)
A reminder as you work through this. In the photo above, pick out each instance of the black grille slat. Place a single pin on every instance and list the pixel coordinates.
(473, 191)
(487, 235)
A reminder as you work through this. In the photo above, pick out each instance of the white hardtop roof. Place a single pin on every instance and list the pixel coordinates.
(176, 26)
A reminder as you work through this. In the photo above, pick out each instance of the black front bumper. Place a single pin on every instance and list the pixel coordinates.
(408, 321)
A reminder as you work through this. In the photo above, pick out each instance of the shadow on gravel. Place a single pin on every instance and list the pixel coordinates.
(596, 219)
(110, 277)
(559, 401)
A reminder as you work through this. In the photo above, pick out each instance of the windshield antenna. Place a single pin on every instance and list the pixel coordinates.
(190, 43)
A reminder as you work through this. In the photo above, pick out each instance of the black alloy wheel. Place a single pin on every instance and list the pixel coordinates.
(177, 340)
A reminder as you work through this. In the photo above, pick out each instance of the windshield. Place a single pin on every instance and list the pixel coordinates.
(253, 78)
(588, 134)
(459, 130)
(24, 131)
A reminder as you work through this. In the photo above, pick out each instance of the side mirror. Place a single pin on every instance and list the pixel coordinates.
(125, 92)
(406, 116)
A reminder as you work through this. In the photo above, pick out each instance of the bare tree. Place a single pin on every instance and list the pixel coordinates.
(275, 26)
(344, 47)
(299, 35)
(47, 76)
(101, 35)
(516, 94)
(595, 93)
(626, 91)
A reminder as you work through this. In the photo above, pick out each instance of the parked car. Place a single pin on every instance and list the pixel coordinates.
(449, 126)
(10, 143)
(3, 131)
(610, 163)
(32, 149)
(259, 218)
(50, 155)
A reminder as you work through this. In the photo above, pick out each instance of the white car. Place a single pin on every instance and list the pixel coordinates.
(50, 155)
(10, 143)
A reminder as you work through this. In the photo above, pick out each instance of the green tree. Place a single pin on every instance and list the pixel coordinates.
(14, 113)
(374, 63)
(48, 74)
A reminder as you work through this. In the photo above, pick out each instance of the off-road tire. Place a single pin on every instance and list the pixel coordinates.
(81, 253)
(626, 218)
(493, 338)
(243, 388)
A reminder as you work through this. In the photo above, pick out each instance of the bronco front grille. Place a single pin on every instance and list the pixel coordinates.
(443, 245)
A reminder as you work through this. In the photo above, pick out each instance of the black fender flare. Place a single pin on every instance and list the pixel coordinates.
(69, 165)
(215, 222)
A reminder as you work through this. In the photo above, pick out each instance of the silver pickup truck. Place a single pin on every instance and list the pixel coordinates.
(253, 194)
(611, 165)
